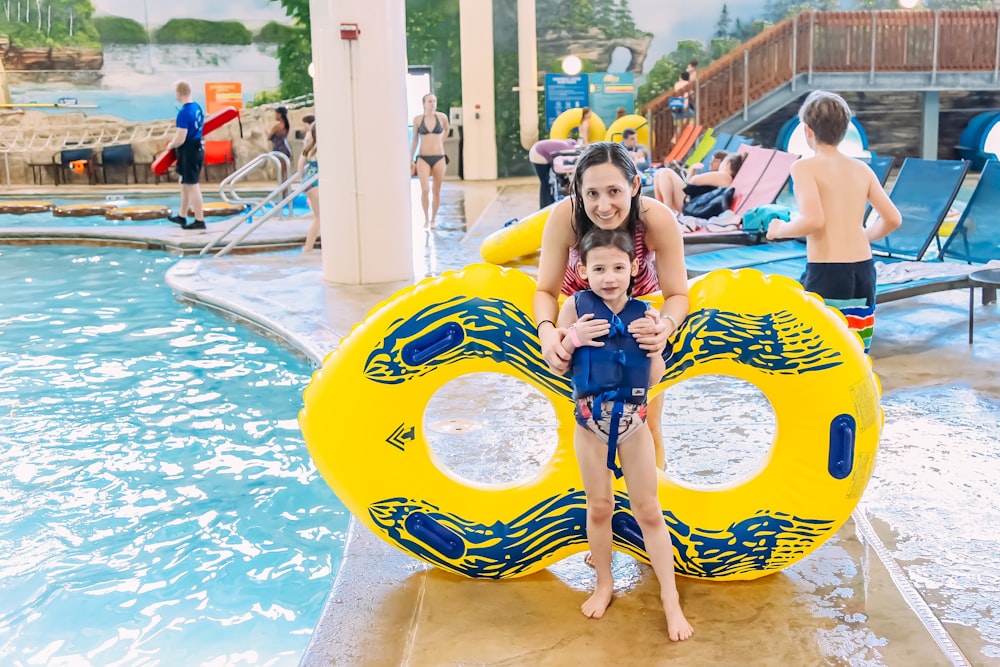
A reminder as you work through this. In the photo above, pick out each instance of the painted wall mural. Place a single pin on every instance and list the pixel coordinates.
(121, 57)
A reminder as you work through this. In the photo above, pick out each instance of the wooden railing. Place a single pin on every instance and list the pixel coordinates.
(855, 42)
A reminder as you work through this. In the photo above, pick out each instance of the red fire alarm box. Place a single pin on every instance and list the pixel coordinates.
(349, 31)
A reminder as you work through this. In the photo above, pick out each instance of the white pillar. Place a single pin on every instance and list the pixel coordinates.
(360, 92)
(527, 71)
(479, 135)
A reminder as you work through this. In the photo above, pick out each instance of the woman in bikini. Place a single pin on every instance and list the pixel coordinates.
(429, 130)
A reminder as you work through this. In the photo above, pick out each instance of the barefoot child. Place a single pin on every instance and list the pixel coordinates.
(611, 375)
(831, 191)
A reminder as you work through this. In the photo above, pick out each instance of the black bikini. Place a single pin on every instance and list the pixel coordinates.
(431, 160)
(438, 129)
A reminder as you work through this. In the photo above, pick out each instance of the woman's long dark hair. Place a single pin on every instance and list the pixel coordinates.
(604, 152)
(283, 114)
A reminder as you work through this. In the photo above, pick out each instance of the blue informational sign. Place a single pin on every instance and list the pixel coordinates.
(562, 92)
(610, 90)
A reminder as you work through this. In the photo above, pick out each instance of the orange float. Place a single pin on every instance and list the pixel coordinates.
(223, 209)
(137, 213)
(22, 207)
(81, 210)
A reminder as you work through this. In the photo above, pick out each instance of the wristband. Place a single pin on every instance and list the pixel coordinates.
(574, 336)
(538, 329)
(672, 321)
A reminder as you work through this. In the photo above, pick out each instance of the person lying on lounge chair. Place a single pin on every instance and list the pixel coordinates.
(669, 188)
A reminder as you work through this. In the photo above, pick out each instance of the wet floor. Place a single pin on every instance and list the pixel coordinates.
(912, 579)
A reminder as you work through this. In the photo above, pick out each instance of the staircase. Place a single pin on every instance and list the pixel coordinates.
(881, 50)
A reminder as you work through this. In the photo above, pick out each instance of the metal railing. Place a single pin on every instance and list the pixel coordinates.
(227, 188)
(278, 199)
(859, 42)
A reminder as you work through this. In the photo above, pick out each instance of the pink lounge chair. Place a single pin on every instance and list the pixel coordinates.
(764, 173)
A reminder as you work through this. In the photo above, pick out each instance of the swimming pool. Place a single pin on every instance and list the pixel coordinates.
(157, 503)
(168, 200)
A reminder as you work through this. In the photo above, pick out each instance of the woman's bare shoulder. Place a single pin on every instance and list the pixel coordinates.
(660, 222)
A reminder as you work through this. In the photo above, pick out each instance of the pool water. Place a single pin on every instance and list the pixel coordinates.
(300, 206)
(157, 503)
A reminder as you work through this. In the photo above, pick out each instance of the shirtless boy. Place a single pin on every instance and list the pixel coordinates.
(832, 191)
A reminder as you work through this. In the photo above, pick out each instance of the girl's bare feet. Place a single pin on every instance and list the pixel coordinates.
(678, 627)
(597, 604)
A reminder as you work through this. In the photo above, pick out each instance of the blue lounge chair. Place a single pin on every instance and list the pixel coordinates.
(974, 241)
(923, 193)
(735, 142)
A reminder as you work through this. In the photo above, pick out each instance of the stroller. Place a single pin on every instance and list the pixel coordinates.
(561, 175)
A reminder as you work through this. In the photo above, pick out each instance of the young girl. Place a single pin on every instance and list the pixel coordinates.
(309, 167)
(611, 375)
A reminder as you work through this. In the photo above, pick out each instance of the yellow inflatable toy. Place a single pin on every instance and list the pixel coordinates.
(636, 122)
(363, 423)
(516, 239)
(569, 120)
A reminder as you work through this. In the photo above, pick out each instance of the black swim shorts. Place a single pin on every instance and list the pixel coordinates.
(190, 158)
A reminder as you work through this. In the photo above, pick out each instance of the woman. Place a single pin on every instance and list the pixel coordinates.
(429, 131)
(606, 194)
(669, 188)
(279, 138)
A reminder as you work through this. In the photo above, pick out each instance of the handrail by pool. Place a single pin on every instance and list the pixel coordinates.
(275, 209)
(227, 188)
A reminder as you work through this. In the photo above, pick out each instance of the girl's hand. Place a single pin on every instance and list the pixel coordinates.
(650, 332)
(413, 168)
(588, 330)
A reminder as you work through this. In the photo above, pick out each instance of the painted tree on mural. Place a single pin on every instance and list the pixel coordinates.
(613, 17)
(432, 39)
(48, 22)
(294, 53)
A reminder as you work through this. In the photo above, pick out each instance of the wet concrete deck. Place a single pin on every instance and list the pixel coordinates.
(912, 579)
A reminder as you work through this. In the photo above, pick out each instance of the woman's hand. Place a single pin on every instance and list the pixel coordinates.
(650, 332)
(413, 168)
(555, 355)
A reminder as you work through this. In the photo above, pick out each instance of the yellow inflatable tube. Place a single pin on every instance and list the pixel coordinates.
(569, 120)
(363, 424)
(519, 238)
(636, 122)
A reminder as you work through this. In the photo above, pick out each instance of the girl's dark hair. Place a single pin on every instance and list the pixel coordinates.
(283, 114)
(607, 238)
(604, 152)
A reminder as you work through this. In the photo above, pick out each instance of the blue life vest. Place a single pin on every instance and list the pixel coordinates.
(618, 371)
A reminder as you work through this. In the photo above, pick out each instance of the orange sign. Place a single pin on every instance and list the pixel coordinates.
(220, 95)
